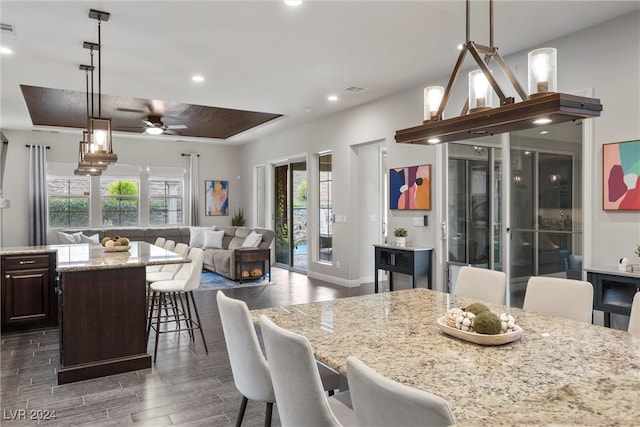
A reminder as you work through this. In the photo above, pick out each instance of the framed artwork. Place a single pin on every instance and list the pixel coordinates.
(216, 195)
(410, 188)
(621, 176)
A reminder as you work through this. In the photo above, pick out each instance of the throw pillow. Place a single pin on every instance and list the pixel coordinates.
(95, 239)
(213, 239)
(252, 240)
(196, 236)
(67, 239)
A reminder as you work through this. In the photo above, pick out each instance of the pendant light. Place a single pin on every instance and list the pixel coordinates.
(479, 117)
(85, 167)
(98, 128)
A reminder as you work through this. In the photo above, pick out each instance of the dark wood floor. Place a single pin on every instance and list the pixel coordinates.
(185, 387)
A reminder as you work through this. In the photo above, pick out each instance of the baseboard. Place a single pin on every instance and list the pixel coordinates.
(335, 280)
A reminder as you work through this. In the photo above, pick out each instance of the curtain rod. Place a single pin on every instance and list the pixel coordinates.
(187, 154)
(29, 146)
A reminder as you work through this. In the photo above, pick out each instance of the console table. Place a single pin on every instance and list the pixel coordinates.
(406, 260)
(613, 290)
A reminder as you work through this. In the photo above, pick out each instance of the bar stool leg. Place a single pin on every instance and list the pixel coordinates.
(195, 308)
(161, 302)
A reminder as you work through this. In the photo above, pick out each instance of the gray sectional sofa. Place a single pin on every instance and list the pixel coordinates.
(219, 260)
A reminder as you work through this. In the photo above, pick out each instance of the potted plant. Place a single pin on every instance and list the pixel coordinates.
(401, 236)
(635, 268)
(238, 218)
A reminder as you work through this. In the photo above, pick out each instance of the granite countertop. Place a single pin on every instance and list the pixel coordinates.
(559, 372)
(612, 269)
(83, 256)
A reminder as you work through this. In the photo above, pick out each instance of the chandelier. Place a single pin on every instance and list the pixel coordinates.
(541, 105)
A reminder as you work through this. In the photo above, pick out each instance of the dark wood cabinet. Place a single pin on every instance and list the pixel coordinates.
(613, 291)
(28, 291)
(406, 260)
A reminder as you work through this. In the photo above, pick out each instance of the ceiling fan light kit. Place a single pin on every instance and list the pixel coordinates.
(542, 105)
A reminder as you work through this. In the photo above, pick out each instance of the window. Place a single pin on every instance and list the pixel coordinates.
(326, 207)
(119, 201)
(69, 201)
(165, 201)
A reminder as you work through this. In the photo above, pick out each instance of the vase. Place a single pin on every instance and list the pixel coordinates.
(401, 241)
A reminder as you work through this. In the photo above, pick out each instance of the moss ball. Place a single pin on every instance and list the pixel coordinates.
(476, 308)
(487, 322)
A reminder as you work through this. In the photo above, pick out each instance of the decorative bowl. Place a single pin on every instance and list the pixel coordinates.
(116, 248)
(477, 338)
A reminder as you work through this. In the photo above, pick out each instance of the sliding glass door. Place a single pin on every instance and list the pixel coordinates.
(290, 219)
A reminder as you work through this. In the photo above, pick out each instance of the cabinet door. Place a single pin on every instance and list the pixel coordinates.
(28, 298)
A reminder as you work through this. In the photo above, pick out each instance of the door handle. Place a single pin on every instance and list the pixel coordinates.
(444, 230)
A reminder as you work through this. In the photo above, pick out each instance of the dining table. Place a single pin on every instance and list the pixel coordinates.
(558, 372)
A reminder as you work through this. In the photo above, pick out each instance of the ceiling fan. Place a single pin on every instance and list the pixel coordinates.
(155, 126)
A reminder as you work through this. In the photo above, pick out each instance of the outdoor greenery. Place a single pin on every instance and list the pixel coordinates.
(68, 212)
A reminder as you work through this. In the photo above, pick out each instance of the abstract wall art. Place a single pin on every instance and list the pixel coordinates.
(621, 176)
(410, 188)
(216, 198)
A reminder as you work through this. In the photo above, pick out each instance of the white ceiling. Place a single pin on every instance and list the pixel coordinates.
(263, 55)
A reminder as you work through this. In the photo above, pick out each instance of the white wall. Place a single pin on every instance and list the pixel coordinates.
(218, 162)
(605, 58)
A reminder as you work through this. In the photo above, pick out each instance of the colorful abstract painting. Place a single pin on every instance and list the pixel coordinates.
(621, 176)
(410, 187)
(216, 198)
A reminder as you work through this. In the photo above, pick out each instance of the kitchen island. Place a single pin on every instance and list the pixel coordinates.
(101, 306)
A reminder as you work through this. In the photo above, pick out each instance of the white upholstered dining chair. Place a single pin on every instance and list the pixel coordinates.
(249, 367)
(482, 284)
(380, 401)
(296, 382)
(568, 298)
(634, 317)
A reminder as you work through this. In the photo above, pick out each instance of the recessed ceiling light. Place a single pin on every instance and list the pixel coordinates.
(332, 98)
(542, 121)
(5, 50)
(197, 78)
(544, 132)
(460, 46)
(433, 141)
(293, 2)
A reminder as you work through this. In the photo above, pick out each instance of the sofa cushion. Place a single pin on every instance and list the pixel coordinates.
(222, 261)
(68, 238)
(94, 239)
(213, 239)
(196, 239)
(235, 243)
(252, 240)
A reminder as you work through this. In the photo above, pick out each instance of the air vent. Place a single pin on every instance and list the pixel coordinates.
(7, 28)
(355, 89)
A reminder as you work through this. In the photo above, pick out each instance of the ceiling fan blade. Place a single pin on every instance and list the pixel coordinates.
(176, 126)
(148, 123)
(130, 110)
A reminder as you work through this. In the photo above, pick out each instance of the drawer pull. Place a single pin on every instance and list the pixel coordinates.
(27, 262)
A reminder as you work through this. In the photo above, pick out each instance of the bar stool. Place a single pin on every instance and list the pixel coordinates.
(168, 295)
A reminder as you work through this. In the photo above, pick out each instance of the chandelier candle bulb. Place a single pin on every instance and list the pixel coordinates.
(432, 99)
(480, 93)
(543, 71)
